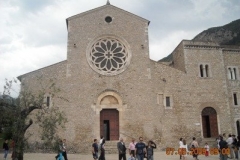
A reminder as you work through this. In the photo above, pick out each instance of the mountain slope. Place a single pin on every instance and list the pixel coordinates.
(228, 34)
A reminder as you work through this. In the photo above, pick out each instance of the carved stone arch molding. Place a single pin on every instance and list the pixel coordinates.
(209, 104)
(111, 96)
(108, 100)
(208, 111)
(108, 103)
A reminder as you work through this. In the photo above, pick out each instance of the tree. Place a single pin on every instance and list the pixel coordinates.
(19, 117)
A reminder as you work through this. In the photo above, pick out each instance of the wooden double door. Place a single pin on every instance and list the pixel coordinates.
(209, 122)
(109, 124)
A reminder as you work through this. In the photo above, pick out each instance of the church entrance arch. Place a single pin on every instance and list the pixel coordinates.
(109, 124)
(109, 106)
(238, 126)
(209, 122)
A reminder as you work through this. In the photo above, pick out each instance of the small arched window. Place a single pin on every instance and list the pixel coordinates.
(232, 73)
(204, 70)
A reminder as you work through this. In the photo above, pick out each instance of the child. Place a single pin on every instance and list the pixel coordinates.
(131, 157)
(207, 149)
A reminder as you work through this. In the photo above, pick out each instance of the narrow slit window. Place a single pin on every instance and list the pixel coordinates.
(234, 73)
(201, 70)
(206, 68)
(235, 100)
(48, 101)
(229, 73)
(168, 102)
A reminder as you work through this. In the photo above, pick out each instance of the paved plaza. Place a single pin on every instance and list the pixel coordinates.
(157, 156)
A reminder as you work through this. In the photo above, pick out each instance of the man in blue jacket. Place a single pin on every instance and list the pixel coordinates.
(140, 149)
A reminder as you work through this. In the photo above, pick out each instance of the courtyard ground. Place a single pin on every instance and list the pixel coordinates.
(160, 155)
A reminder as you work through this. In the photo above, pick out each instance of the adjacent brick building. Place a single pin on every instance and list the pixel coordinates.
(115, 90)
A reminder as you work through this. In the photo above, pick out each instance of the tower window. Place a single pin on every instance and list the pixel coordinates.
(232, 73)
(48, 101)
(204, 70)
(235, 99)
(168, 102)
(201, 70)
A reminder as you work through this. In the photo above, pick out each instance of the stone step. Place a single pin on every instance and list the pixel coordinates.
(211, 142)
(111, 147)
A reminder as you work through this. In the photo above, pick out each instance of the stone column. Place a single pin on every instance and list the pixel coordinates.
(204, 71)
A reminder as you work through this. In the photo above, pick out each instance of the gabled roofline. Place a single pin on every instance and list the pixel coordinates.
(21, 76)
(101, 7)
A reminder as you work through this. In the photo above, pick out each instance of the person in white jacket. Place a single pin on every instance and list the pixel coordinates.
(184, 148)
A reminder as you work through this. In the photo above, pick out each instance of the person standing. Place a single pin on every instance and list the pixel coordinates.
(60, 150)
(95, 149)
(230, 145)
(218, 140)
(180, 144)
(100, 141)
(149, 149)
(13, 150)
(140, 149)
(6, 149)
(223, 145)
(235, 146)
(194, 144)
(207, 149)
(132, 148)
(64, 149)
(102, 148)
(238, 144)
(121, 149)
(185, 148)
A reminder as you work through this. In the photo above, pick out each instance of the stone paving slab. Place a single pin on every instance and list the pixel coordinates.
(157, 156)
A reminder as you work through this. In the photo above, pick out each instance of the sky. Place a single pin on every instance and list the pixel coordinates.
(33, 33)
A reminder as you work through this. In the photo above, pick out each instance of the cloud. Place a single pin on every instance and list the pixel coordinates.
(34, 34)
(28, 59)
(163, 47)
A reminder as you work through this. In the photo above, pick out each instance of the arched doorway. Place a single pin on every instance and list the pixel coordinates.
(209, 122)
(238, 127)
(109, 124)
(109, 116)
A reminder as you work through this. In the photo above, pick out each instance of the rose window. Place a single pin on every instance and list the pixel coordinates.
(108, 56)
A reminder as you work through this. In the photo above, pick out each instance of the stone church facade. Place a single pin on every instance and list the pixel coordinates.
(115, 90)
